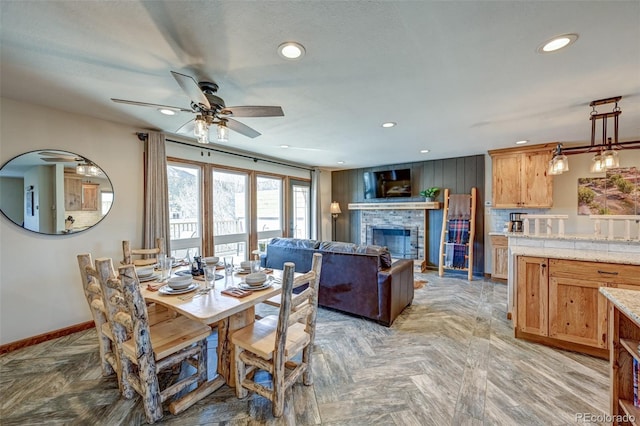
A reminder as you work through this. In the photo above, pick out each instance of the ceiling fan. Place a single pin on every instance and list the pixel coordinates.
(211, 109)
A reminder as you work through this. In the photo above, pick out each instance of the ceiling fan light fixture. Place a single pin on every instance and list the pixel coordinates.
(222, 132)
(200, 128)
(557, 43)
(291, 50)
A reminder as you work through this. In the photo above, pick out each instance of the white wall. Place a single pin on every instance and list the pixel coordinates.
(40, 288)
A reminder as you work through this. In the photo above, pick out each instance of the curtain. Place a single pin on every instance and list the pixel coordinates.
(316, 223)
(156, 193)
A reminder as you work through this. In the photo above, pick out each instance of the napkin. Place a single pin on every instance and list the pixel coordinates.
(236, 292)
(267, 271)
(154, 286)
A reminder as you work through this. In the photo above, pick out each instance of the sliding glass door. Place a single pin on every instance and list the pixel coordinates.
(230, 214)
(268, 209)
(300, 205)
(185, 225)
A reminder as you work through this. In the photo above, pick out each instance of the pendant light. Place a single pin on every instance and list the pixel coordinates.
(559, 163)
(223, 132)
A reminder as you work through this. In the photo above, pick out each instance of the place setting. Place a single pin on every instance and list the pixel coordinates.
(257, 281)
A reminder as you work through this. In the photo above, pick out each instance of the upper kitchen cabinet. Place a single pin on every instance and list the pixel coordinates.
(520, 177)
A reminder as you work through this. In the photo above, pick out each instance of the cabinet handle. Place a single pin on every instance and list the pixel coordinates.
(544, 265)
(607, 272)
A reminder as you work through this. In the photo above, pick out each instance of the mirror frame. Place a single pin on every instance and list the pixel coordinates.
(49, 178)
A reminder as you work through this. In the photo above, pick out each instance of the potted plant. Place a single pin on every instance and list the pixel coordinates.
(431, 193)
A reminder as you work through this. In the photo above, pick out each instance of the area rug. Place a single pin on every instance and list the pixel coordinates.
(418, 283)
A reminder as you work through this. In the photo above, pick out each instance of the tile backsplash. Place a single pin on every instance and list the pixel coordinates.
(498, 217)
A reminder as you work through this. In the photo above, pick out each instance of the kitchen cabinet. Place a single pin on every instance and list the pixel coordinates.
(532, 282)
(72, 193)
(520, 177)
(499, 257)
(559, 300)
(90, 196)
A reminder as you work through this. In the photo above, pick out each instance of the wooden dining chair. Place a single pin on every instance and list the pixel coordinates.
(149, 255)
(270, 343)
(93, 293)
(144, 350)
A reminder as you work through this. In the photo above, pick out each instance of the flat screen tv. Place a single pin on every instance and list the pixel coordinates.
(387, 184)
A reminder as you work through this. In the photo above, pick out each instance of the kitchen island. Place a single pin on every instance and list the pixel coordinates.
(553, 287)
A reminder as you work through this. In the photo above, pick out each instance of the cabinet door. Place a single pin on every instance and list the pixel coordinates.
(72, 194)
(506, 180)
(537, 187)
(90, 196)
(532, 295)
(500, 257)
(577, 311)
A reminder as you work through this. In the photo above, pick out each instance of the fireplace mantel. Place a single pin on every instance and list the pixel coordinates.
(435, 205)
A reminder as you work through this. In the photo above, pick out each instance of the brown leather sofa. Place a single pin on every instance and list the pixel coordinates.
(359, 280)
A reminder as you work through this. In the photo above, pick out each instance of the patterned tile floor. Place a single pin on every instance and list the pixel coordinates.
(449, 359)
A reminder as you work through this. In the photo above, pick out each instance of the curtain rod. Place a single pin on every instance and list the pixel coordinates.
(143, 137)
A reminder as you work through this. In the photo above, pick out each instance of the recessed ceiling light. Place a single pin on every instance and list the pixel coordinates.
(424, 151)
(291, 50)
(557, 43)
(389, 124)
(522, 142)
(340, 162)
(284, 146)
(167, 111)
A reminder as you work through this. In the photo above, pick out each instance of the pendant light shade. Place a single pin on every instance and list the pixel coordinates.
(597, 165)
(223, 132)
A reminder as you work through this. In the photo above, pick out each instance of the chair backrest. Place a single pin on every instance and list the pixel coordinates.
(302, 308)
(93, 294)
(118, 316)
(149, 255)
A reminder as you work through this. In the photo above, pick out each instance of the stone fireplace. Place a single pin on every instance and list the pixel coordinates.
(402, 231)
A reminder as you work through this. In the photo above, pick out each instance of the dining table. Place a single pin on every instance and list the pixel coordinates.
(227, 313)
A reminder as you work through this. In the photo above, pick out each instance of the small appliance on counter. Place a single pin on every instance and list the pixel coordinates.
(515, 222)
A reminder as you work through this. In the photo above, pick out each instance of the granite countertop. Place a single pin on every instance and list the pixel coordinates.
(575, 237)
(627, 258)
(628, 301)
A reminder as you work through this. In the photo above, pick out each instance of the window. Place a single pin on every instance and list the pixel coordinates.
(230, 202)
(268, 209)
(300, 209)
(106, 199)
(185, 195)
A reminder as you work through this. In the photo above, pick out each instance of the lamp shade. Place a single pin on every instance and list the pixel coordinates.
(335, 208)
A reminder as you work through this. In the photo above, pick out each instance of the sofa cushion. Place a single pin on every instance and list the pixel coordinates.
(383, 254)
(337, 247)
(294, 242)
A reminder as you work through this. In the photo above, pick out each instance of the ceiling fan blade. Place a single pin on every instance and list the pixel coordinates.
(253, 111)
(192, 89)
(145, 104)
(243, 129)
(187, 128)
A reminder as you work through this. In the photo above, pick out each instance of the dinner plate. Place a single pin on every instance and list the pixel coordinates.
(265, 285)
(243, 271)
(184, 273)
(168, 290)
(151, 277)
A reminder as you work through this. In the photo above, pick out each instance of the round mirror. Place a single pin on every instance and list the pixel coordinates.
(54, 192)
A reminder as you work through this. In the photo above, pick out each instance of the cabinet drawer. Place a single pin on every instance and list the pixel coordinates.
(595, 271)
(499, 241)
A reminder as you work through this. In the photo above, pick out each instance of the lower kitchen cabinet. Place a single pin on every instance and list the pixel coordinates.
(559, 303)
(500, 257)
(533, 296)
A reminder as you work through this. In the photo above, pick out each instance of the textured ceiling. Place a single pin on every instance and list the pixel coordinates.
(459, 78)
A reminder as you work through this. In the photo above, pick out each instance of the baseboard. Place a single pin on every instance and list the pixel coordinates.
(19, 344)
